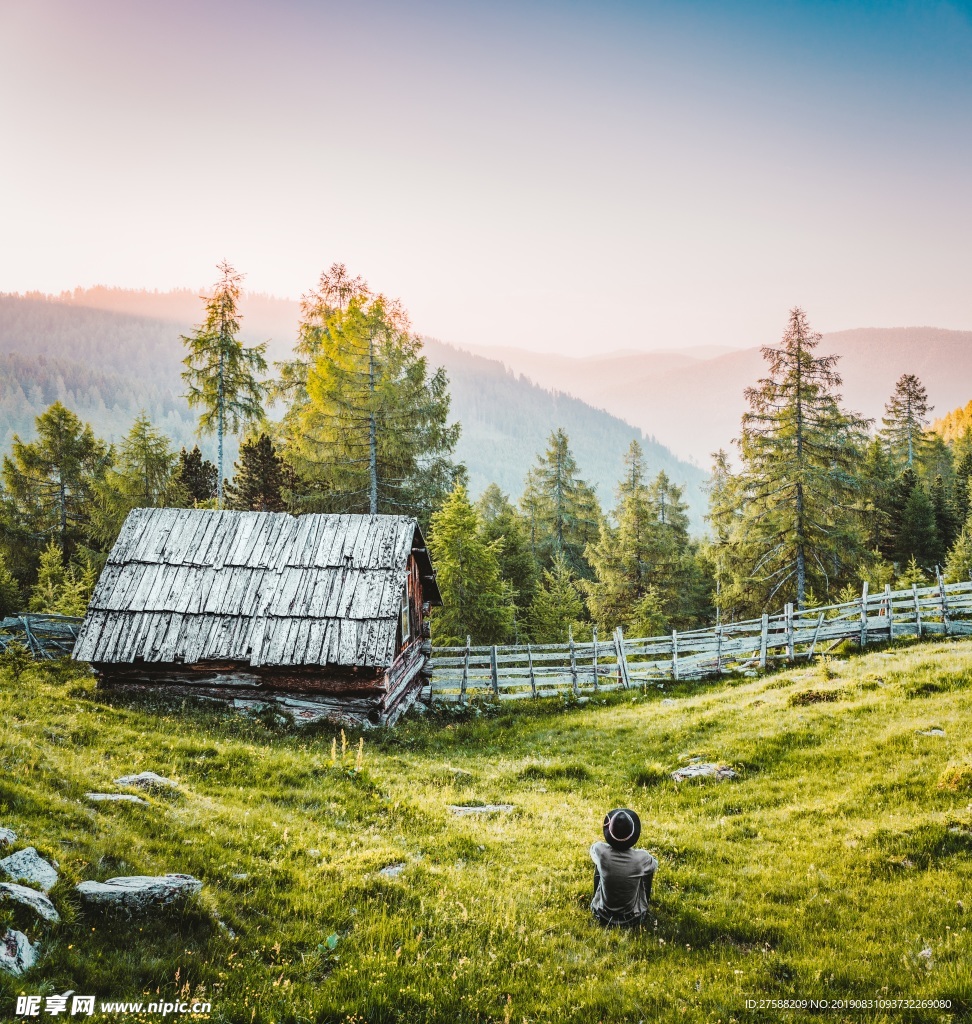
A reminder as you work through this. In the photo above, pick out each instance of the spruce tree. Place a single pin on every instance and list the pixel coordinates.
(50, 482)
(557, 606)
(198, 476)
(962, 452)
(476, 600)
(220, 373)
(502, 523)
(561, 509)
(366, 428)
(946, 518)
(800, 452)
(905, 417)
(259, 479)
(958, 564)
(917, 534)
(61, 589)
(10, 599)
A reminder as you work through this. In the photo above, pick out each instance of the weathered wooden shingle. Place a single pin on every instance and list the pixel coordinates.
(259, 587)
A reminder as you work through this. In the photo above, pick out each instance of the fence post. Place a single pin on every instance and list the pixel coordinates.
(493, 671)
(864, 615)
(595, 658)
(465, 672)
(788, 612)
(763, 641)
(941, 594)
(533, 680)
(675, 655)
(889, 607)
(573, 661)
(623, 677)
(816, 633)
(914, 594)
(719, 650)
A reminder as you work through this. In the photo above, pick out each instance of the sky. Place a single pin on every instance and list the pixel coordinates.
(567, 177)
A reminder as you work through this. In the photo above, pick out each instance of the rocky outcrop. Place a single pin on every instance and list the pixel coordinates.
(138, 894)
(116, 798)
(703, 771)
(27, 865)
(17, 955)
(33, 900)
(482, 809)
(148, 781)
(7, 837)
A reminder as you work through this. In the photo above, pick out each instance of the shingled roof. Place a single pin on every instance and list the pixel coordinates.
(267, 588)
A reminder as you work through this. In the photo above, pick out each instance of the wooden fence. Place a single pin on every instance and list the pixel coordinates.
(510, 672)
(45, 637)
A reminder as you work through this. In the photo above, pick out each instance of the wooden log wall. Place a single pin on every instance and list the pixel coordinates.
(513, 672)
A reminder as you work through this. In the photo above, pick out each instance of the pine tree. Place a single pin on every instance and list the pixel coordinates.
(50, 482)
(61, 589)
(913, 575)
(476, 601)
(962, 452)
(917, 535)
(367, 426)
(958, 565)
(903, 424)
(259, 479)
(145, 474)
(799, 485)
(557, 606)
(10, 599)
(198, 476)
(501, 522)
(946, 519)
(220, 373)
(561, 509)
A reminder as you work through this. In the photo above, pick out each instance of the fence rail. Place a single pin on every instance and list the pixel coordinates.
(46, 637)
(525, 670)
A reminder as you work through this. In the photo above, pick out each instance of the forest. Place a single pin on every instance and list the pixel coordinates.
(813, 501)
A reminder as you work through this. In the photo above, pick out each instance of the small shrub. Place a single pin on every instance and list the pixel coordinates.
(805, 697)
(650, 775)
(957, 778)
(555, 772)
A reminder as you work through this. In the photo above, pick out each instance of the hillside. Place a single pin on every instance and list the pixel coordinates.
(696, 403)
(108, 363)
(835, 866)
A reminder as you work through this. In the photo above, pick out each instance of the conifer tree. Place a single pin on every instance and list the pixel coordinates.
(220, 373)
(946, 519)
(800, 454)
(562, 511)
(958, 564)
(198, 476)
(476, 600)
(145, 474)
(917, 535)
(366, 429)
(10, 599)
(503, 523)
(962, 451)
(259, 479)
(61, 589)
(50, 482)
(904, 421)
(557, 606)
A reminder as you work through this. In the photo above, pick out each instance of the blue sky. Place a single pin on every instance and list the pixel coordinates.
(568, 177)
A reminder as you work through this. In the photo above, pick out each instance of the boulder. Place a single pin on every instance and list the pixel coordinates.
(135, 894)
(148, 781)
(17, 955)
(28, 865)
(7, 837)
(931, 732)
(703, 771)
(116, 798)
(30, 898)
(484, 809)
(392, 870)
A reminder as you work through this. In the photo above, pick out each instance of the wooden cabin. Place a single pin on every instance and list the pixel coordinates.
(324, 616)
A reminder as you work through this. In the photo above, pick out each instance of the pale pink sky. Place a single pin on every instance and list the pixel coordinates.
(560, 176)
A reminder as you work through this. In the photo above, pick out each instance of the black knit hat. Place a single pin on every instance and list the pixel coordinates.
(622, 827)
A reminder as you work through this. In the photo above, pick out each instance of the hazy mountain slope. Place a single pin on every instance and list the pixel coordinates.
(107, 365)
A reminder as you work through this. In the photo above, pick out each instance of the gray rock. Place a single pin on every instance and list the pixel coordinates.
(669, 700)
(116, 798)
(703, 771)
(931, 732)
(240, 876)
(28, 865)
(30, 898)
(133, 894)
(392, 870)
(17, 955)
(485, 809)
(7, 837)
(148, 781)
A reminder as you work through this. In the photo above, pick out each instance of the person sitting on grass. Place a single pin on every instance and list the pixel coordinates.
(622, 875)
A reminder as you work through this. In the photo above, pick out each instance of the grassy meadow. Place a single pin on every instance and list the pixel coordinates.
(836, 866)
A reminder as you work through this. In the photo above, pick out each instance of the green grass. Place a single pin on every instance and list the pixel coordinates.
(836, 866)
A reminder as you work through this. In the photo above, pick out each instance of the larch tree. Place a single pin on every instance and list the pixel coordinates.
(800, 452)
(221, 374)
(561, 509)
(904, 421)
(367, 426)
(501, 522)
(476, 600)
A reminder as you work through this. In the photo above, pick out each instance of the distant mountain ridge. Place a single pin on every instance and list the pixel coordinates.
(94, 351)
